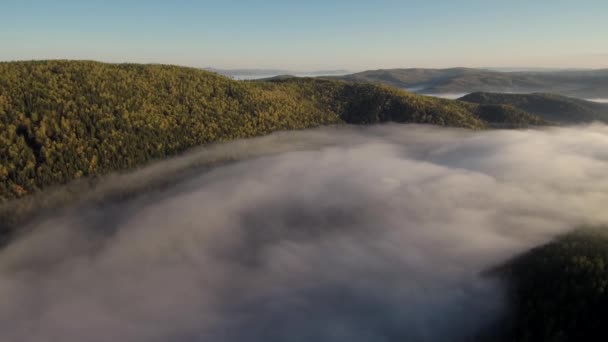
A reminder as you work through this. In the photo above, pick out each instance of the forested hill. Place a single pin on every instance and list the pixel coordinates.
(62, 120)
(577, 83)
(558, 291)
(551, 107)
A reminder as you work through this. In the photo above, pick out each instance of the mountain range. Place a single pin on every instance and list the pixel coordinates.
(265, 73)
(575, 83)
(551, 107)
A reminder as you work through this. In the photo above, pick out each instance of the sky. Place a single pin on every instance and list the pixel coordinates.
(310, 35)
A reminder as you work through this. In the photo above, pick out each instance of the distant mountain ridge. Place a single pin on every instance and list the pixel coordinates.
(268, 73)
(576, 83)
(551, 107)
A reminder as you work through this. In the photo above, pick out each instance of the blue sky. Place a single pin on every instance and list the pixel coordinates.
(309, 35)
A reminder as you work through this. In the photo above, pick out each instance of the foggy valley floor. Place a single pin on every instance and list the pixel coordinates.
(303, 171)
(380, 233)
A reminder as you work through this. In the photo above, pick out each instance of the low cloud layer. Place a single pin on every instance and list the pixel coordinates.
(359, 234)
(600, 100)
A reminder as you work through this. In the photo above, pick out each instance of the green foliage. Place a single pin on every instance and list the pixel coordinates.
(559, 292)
(507, 116)
(63, 120)
(551, 107)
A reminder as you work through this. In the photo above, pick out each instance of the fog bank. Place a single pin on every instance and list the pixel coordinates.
(599, 100)
(341, 234)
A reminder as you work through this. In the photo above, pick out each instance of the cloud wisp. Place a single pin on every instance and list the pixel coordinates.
(358, 234)
(599, 100)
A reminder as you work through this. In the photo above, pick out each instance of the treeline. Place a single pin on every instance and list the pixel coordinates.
(63, 120)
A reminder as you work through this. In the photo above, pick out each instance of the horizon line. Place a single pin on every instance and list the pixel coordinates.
(304, 70)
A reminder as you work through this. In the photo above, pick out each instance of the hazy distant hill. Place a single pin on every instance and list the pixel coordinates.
(268, 73)
(62, 120)
(551, 107)
(577, 83)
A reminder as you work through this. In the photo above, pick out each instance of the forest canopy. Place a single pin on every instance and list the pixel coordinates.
(559, 291)
(63, 120)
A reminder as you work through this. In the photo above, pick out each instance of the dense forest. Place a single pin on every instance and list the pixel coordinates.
(64, 120)
(551, 107)
(559, 291)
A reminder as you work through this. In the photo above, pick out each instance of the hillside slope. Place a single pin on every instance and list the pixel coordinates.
(583, 84)
(63, 120)
(558, 292)
(551, 107)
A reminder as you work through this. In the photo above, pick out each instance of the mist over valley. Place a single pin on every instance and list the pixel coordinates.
(343, 233)
(319, 171)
